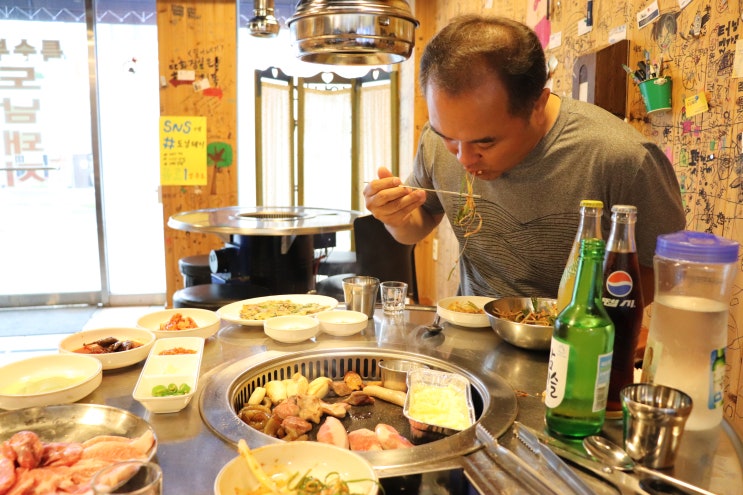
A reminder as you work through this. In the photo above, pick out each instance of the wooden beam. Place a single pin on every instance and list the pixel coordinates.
(198, 36)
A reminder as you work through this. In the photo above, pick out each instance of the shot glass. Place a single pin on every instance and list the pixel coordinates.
(654, 418)
(393, 297)
(360, 294)
(128, 478)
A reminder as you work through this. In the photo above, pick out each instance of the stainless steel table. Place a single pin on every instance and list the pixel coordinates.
(191, 454)
(270, 247)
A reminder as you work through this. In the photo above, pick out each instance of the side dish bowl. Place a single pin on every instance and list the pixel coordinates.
(312, 458)
(464, 319)
(47, 380)
(175, 361)
(342, 323)
(291, 329)
(524, 335)
(111, 360)
(207, 322)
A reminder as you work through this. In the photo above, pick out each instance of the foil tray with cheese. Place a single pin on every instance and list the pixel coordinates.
(438, 402)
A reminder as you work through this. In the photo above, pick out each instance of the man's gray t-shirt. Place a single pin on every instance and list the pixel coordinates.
(530, 214)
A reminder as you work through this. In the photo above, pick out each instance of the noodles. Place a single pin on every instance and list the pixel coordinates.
(467, 217)
(544, 317)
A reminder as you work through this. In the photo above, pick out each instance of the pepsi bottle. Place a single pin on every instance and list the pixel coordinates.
(622, 300)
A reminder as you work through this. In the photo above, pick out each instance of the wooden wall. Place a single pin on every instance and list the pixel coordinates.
(199, 36)
(697, 44)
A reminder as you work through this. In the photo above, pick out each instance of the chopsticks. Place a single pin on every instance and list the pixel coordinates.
(441, 191)
(476, 196)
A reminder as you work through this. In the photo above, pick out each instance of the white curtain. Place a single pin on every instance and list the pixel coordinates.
(376, 135)
(327, 148)
(277, 160)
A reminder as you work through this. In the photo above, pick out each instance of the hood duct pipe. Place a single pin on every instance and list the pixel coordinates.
(353, 32)
(263, 24)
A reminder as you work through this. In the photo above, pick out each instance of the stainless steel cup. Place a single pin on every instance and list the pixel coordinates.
(361, 294)
(654, 418)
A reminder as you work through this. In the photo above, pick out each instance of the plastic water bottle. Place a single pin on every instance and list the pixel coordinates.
(694, 273)
(581, 353)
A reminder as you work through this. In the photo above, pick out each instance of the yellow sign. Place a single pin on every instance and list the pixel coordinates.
(696, 104)
(183, 151)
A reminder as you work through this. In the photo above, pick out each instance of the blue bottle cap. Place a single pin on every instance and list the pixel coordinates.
(697, 247)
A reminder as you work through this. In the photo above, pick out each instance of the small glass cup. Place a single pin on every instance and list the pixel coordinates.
(128, 478)
(393, 297)
(654, 418)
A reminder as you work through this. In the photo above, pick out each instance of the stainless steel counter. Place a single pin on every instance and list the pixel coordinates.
(191, 454)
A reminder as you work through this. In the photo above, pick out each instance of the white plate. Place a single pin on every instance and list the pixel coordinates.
(231, 312)
(207, 321)
(471, 320)
(111, 360)
(49, 379)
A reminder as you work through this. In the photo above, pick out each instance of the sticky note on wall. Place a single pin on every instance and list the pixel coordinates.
(696, 104)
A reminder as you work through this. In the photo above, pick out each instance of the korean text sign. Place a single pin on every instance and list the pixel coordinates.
(183, 151)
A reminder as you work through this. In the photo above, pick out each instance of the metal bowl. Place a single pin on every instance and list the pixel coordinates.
(526, 336)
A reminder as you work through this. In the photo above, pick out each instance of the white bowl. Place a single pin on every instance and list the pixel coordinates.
(342, 323)
(291, 329)
(462, 319)
(48, 380)
(316, 459)
(111, 360)
(207, 321)
(164, 369)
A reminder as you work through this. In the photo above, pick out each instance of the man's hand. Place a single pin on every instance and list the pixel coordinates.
(389, 202)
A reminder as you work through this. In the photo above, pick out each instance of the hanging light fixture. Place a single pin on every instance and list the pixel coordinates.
(263, 24)
(353, 32)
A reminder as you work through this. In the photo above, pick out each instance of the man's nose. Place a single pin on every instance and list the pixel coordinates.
(467, 154)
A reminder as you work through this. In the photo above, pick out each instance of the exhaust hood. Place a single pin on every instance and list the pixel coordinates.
(353, 32)
(263, 24)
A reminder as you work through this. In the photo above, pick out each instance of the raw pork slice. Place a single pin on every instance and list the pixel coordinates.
(390, 438)
(333, 432)
(364, 439)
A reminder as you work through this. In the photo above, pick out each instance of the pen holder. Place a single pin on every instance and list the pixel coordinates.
(656, 93)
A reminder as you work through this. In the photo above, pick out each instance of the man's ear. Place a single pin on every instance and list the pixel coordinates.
(539, 112)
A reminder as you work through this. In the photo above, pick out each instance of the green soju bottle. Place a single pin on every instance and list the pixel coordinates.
(580, 354)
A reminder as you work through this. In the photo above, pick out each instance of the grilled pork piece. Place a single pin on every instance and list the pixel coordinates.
(295, 428)
(337, 409)
(359, 398)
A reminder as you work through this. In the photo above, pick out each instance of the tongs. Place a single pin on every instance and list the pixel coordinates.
(625, 484)
(513, 464)
(551, 460)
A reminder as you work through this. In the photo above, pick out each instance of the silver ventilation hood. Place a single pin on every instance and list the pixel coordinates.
(353, 32)
(263, 24)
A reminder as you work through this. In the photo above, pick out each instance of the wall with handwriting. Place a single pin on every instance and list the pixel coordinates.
(196, 48)
(697, 44)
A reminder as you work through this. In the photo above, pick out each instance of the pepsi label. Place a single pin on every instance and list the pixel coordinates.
(619, 283)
